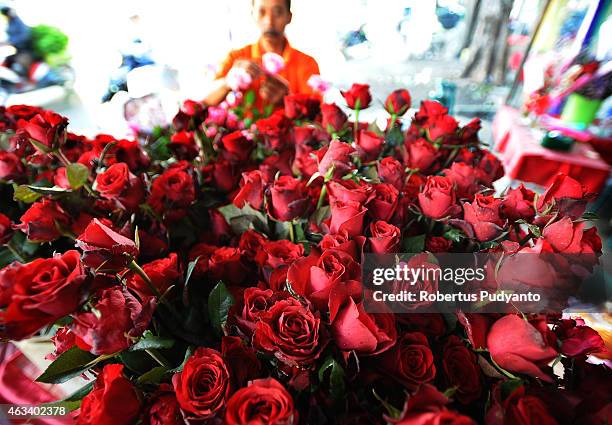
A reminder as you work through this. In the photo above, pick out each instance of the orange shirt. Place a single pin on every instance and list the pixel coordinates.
(298, 66)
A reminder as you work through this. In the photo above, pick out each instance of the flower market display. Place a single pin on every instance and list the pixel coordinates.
(210, 273)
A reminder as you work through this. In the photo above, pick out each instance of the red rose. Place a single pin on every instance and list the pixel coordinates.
(291, 332)
(236, 147)
(347, 217)
(410, 361)
(570, 237)
(183, 145)
(420, 155)
(23, 112)
(264, 401)
(398, 102)
(222, 174)
(461, 369)
(391, 171)
(128, 151)
(490, 166)
(118, 320)
(173, 190)
(104, 248)
(203, 385)
(334, 119)
(275, 130)
(518, 204)
(482, 215)
(242, 361)
(163, 274)
(427, 406)
(569, 195)
(163, 408)
(517, 346)
(437, 244)
(225, 264)
(11, 167)
(354, 329)
(113, 400)
(338, 156)
(522, 409)
(46, 128)
(349, 190)
(43, 220)
(40, 292)
(383, 204)
(250, 242)
(63, 340)
(465, 179)
(275, 254)
(385, 237)
(6, 229)
(251, 190)
(358, 96)
(287, 198)
(579, 340)
(254, 302)
(302, 106)
(369, 145)
(444, 126)
(119, 184)
(438, 200)
(429, 112)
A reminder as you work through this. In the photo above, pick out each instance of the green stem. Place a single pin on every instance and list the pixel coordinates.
(157, 357)
(291, 232)
(322, 196)
(13, 250)
(356, 124)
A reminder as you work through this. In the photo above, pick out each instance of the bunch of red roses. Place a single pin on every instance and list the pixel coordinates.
(211, 273)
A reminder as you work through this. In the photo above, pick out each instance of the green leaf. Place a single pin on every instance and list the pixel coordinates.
(154, 376)
(77, 175)
(392, 411)
(249, 98)
(39, 146)
(73, 401)
(509, 386)
(69, 364)
(336, 377)
(321, 214)
(149, 341)
(590, 215)
(190, 268)
(414, 244)
(48, 190)
(188, 354)
(241, 219)
(219, 302)
(454, 235)
(24, 194)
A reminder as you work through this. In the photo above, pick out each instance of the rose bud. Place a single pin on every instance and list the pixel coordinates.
(520, 408)
(333, 118)
(290, 332)
(105, 249)
(385, 237)
(490, 166)
(47, 129)
(391, 171)
(264, 401)
(427, 406)
(517, 346)
(420, 155)
(117, 183)
(163, 273)
(518, 204)
(369, 145)
(6, 230)
(437, 244)
(275, 130)
(438, 200)
(203, 385)
(118, 319)
(163, 408)
(302, 106)
(383, 204)
(275, 254)
(338, 156)
(482, 215)
(113, 400)
(398, 102)
(461, 369)
(347, 217)
(251, 190)
(358, 96)
(244, 366)
(569, 237)
(349, 190)
(43, 221)
(183, 145)
(568, 194)
(288, 198)
(173, 191)
(11, 167)
(410, 361)
(444, 126)
(577, 339)
(38, 293)
(465, 179)
(368, 334)
(236, 147)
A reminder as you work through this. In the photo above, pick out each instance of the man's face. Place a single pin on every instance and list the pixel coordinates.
(272, 16)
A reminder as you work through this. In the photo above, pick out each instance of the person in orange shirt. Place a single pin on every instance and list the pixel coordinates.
(272, 17)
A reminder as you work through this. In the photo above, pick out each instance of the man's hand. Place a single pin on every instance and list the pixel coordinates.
(274, 89)
(250, 67)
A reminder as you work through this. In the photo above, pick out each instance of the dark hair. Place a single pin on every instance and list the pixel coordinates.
(287, 3)
(6, 11)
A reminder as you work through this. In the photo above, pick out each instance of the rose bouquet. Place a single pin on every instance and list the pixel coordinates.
(211, 273)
